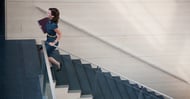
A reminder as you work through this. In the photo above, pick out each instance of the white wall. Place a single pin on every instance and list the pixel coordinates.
(108, 32)
(156, 31)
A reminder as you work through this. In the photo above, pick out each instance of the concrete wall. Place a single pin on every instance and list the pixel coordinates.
(144, 40)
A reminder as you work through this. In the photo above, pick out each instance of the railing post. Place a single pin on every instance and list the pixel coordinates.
(52, 86)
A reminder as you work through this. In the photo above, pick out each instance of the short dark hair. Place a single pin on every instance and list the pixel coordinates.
(55, 13)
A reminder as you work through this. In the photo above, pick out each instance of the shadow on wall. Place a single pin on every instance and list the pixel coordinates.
(180, 26)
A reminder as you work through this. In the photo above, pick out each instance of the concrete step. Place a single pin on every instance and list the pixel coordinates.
(63, 93)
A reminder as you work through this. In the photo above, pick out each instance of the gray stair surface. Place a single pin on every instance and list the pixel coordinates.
(20, 70)
(113, 87)
(104, 85)
(71, 73)
(92, 77)
(59, 76)
(84, 83)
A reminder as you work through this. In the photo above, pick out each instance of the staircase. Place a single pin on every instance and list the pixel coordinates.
(19, 70)
(78, 80)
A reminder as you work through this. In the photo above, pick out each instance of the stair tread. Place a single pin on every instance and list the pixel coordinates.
(20, 67)
(60, 76)
(104, 85)
(71, 73)
(121, 87)
(113, 87)
(91, 75)
(84, 83)
(132, 90)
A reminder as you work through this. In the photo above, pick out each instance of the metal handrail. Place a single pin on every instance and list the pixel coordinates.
(117, 73)
(52, 86)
